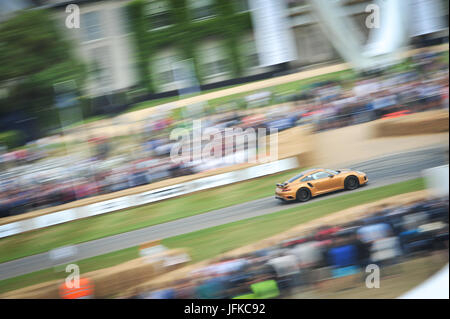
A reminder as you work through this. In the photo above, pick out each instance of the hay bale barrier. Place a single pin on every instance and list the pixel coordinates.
(46, 290)
(108, 282)
(432, 122)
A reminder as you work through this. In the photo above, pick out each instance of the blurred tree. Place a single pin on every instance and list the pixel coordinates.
(35, 55)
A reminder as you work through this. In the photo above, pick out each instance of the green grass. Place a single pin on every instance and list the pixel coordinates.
(82, 230)
(216, 240)
(285, 88)
(87, 121)
(210, 242)
(151, 103)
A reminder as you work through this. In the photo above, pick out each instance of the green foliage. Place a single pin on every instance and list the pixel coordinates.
(35, 56)
(186, 35)
(11, 139)
(33, 47)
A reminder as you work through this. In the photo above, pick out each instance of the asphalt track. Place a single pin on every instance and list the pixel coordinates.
(381, 171)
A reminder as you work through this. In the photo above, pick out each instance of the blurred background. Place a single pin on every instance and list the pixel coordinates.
(90, 91)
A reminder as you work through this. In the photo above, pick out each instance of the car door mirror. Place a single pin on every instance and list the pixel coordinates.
(331, 176)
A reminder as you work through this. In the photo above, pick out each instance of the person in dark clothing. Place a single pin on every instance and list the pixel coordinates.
(363, 251)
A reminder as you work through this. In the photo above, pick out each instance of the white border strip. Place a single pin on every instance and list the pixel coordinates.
(146, 197)
(436, 179)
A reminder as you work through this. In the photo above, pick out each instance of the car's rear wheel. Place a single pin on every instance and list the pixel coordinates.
(351, 183)
(303, 195)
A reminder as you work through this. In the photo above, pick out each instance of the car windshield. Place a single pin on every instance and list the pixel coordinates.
(300, 175)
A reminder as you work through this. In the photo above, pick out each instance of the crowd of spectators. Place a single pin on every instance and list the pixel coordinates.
(43, 184)
(385, 238)
(326, 105)
(421, 88)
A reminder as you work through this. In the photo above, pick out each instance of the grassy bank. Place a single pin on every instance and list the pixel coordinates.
(216, 240)
(96, 227)
(285, 88)
(210, 242)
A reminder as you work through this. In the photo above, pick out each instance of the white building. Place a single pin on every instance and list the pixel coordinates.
(105, 42)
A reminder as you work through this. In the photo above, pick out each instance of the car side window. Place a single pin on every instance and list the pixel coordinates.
(307, 178)
(320, 175)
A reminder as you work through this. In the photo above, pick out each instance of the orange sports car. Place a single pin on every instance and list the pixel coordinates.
(319, 181)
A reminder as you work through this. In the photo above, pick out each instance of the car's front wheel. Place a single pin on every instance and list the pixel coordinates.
(303, 195)
(351, 183)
